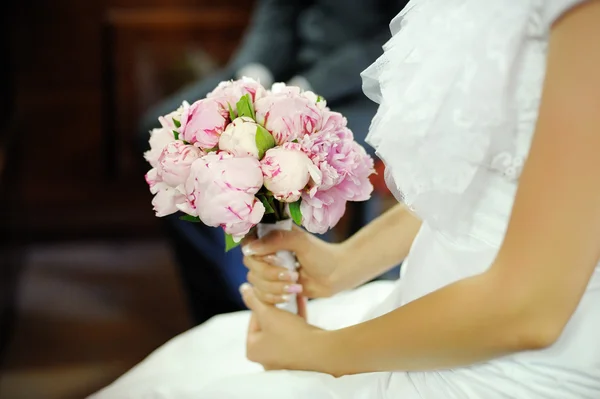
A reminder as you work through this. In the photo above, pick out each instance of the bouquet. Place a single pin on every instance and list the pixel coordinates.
(245, 156)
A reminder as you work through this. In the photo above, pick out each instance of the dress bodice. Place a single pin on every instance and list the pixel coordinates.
(459, 87)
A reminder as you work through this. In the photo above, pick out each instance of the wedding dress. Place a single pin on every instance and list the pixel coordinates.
(459, 86)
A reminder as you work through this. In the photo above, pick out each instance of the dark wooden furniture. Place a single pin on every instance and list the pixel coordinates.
(73, 80)
(149, 53)
(78, 96)
(8, 259)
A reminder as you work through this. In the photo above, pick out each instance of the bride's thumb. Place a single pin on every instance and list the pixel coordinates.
(251, 301)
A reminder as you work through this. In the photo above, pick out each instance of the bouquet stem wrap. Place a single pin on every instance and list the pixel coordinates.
(287, 258)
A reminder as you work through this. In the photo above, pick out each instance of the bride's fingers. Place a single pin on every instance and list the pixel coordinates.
(271, 299)
(265, 268)
(253, 303)
(273, 287)
(253, 326)
(251, 236)
(248, 296)
(301, 303)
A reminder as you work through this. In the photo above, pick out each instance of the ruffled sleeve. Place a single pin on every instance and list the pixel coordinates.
(554, 9)
(458, 87)
(445, 86)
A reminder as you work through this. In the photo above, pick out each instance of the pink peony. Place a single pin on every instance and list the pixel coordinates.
(288, 115)
(159, 138)
(239, 138)
(281, 88)
(203, 122)
(248, 215)
(175, 161)
(320, 147)
(168, 121)
(221, 189)
(166, 198)
(296, 91)
(336, 123)
(287, 171)
(343, 163)
(322, 211)
(356, 166)
(314, 98)
(153, 180)
(232, 90)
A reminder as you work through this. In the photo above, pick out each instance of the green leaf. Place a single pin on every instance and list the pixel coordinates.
(177, 123)
(176, 134)
(215, 148)
(231, 112)
(264, 141)
(245, 107)
(268, 207)
(189, 218)
(295, 212)
(319, 99)
(230, 243)
(276, 205)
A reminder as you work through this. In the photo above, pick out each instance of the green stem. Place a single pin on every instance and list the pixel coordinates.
(282, 211)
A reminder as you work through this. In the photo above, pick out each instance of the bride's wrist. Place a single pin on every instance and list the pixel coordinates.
(341, 278)
(313, 354)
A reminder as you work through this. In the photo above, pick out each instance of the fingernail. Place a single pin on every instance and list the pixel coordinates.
(293, 288)
(247, 251)
(286, 298)
(273, 259)
(245, 287)
(288, 276)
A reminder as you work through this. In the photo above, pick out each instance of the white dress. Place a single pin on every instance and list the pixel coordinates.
(459, 86)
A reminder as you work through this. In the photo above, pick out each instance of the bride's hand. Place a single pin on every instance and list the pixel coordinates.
(273, 334)
(317, 260)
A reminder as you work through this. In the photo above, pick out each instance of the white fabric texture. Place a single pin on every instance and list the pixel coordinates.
(459, 87)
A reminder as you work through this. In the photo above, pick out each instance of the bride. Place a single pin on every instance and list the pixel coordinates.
(489, 125)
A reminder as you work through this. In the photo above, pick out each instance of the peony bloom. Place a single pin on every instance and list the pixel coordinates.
(287, 171)
(322, 211)
(320, 148)
(336, 123)
(281, 88)
(248, 213)
(203, 122)
(356, 166)
(314, 98)
(168, 121)
(288, 115)
(232, 90)
(175, 161)
(153, 180)
(159, 138)
(166, 199)
(343, 162)
(296, 91)
(221, 192)
(239, 138)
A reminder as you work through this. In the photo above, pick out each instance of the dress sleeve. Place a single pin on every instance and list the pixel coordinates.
(554, 9)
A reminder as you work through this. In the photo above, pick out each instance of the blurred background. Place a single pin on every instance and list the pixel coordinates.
(88, 285)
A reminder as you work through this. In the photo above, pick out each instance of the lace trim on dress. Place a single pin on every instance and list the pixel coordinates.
(451, 115)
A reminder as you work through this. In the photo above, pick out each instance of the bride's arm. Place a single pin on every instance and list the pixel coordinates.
(377, 247)
(551, 247)
(330, 268)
